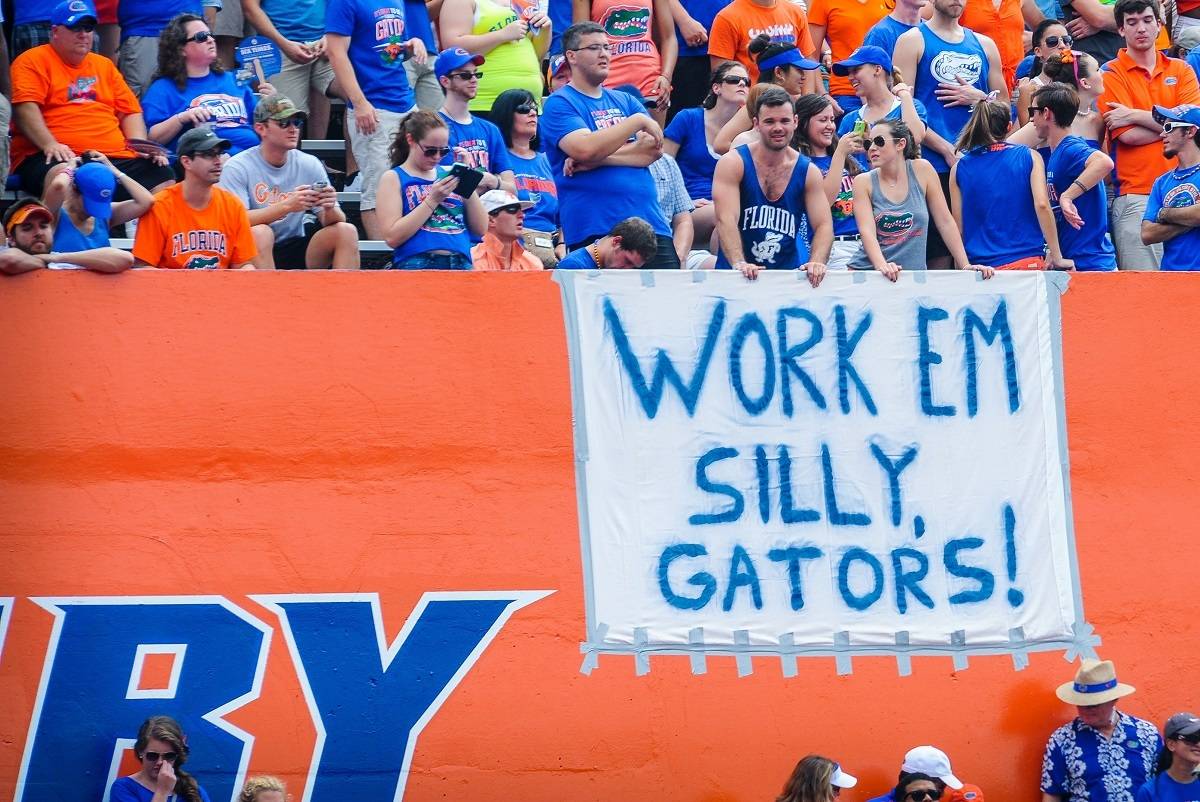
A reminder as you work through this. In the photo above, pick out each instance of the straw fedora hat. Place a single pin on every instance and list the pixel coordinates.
(1095, 683)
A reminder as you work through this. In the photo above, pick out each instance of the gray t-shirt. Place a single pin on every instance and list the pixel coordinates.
(259, 184)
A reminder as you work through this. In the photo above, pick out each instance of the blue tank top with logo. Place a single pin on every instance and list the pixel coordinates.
(943, 63)
(774, 232)
(446, 228)
(844, 224)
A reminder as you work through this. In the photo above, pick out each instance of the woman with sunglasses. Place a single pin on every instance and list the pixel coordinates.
(190, 89)
(917, 787)
(836, 157)
(421, 218)
(815, 779)
(162, 750)
(1175, 775)
(779, 64)
(896, 202)
(515, 113)
(690, 135)
(987, 163)
(1050, 38)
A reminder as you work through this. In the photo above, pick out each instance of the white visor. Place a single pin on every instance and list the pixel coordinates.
(841, 779)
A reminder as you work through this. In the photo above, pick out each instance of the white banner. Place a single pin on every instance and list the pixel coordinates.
(867, 467)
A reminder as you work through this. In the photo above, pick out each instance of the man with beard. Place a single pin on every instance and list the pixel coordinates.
(600, 144)
(29, 227)
(771, 209)
(195, 224)
(950, 68)
(1173, 208)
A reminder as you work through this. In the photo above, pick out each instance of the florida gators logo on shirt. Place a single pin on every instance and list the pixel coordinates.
(894, 228)
(768, 248)
(83, 90)
(1181, 196)
(203, 263)
(389, 35)
(947, 67)
(626, 22)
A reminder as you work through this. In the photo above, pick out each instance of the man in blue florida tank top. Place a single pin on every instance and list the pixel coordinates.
(600, 144)
(771, 209)
(950, 68)
(1075, 175)
(1173, 209)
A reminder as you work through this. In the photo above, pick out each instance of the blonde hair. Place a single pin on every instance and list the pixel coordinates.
(256, 785)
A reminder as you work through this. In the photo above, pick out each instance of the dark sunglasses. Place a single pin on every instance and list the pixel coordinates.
(921, 796)
(525, 108)
(466, 76)
(1193, 739)
(1033, 110)
(433, 150)
(507, 210)
(153, 757)
(86, 27)
(199, 37)
(290, 122)
(736, 80)
(211, 154)
(878, 142)
(1052, 41)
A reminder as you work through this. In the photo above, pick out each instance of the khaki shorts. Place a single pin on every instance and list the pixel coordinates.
(371, 152)
(424, 83)
(294, 80)
(137, 60)
(230, 21)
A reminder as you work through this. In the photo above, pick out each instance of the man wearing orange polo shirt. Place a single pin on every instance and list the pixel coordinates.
(1139, 78)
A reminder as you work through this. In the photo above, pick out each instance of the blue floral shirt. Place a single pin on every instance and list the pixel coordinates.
(1081, 764)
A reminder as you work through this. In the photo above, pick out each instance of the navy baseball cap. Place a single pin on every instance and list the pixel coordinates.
(72, 12)
(450, 60)
(867, 54)
(1180, 114)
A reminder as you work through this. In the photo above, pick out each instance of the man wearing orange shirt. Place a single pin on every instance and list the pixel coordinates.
(738, 23)
(195, 224)
(1004, 24)
(501, 247)
(845, 25)
(1139, 78)
(66, 99)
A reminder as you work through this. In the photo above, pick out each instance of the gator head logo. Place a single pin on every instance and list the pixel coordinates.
(894, 223)
(949, 66)
(1181, 196)
(203, 263)
(627, 22)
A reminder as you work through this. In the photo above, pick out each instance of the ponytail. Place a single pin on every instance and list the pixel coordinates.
(988, 123)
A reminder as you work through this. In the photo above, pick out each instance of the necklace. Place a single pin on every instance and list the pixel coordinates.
(594, 250)
(1186, 172)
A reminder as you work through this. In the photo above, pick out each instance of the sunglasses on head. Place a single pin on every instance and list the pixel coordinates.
(434, 150)
(154, 757)
(85, 27)
(199, 37)
(736, 80)
(1193, 739)
(921, 796)
(525, 108)
(1053, 41)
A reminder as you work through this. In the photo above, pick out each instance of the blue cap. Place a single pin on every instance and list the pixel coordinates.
(72, 12)
(867, 54)
(96, 183)
(450, 60)
(556, 65)
(791, 57)
(1180, 114)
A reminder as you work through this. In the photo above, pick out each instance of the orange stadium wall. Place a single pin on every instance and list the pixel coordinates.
(225, 443)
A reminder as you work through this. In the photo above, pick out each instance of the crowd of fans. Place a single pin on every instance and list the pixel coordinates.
(532, 134)
(1101, 755)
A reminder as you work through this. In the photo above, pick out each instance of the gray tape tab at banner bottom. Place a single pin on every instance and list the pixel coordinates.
(958, 638)
(745, 667)
(641, 659)
(841, 642)
(699, 661)
(787, 656)
(1020, 656)
(903, 659)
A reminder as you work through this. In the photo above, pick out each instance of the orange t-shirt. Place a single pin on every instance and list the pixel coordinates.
(1172, 82)
(846, 24)
(174, 235)
(1005, 26)
(82, 106)
(742, 20)
(629, 25)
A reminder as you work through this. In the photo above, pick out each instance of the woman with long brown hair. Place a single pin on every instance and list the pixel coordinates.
(815, 779)
(162, 750)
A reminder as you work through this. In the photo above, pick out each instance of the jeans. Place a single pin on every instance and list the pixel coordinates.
(434, 261)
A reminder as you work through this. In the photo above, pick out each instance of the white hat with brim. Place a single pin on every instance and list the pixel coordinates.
(1095, 683)
(841, 779)
(932, 761)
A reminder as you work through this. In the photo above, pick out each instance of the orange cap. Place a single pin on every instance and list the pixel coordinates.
(24, 213)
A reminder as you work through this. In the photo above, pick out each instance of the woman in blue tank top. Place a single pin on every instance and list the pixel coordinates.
(1001, 181)
(421, 217)
(836, 158)
(81, 200)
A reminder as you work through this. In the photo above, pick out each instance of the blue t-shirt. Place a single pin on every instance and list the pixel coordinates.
(703, 12)
(696, 159)
(896, 113)
(844, 224)
(232, 107)
(419, 25)
(1193, 60)
(1163, 788)
(885, 33)
(446, 228)
(944, 62)
(478, 144)
(626, 191)
(774, 232)
(560, 19)
(377, 32)
(578, 260)
(69, 239)
(981, 172)
(1081, 764)
(142, 18)
(1174, 190)
(535, 179)
(1089, 246)
(30, 11)
(126, 789)
(297, 20)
